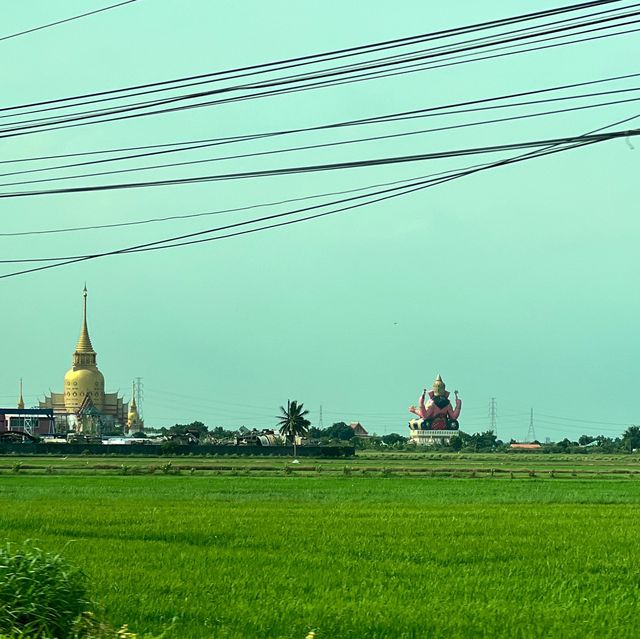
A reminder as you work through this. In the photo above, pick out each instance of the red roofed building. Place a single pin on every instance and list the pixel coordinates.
(358, 430)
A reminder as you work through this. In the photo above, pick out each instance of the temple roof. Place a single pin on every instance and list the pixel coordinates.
(84, 341)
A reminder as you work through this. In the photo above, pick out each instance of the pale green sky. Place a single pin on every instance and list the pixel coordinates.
(519, 283)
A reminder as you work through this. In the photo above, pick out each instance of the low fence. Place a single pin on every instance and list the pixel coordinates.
(169, 450)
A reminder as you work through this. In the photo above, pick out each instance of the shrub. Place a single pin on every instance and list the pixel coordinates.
(40, 594)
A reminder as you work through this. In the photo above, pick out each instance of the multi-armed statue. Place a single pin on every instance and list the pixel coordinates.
(437, 413)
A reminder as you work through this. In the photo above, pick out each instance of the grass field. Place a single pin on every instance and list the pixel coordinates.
(349, 557)
(368, 462)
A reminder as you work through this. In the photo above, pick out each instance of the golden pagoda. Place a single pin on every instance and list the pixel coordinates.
(134, 423)
(84, 389)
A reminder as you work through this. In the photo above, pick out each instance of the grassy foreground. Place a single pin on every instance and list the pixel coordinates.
(349, 557)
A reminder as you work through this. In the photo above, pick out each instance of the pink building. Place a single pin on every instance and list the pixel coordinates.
(33, 421)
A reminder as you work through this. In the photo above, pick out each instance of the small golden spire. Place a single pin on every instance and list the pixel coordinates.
(84, 342)
(133, 406)
(20, 399)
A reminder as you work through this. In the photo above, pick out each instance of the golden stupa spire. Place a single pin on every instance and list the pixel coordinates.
(133, 406)
(20, 399)
(84, 342)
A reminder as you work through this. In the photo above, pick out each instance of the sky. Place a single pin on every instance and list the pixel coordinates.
(518, 283)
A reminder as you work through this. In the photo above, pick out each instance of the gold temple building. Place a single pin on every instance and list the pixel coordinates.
(84, 406)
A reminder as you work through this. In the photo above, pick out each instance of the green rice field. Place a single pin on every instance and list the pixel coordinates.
(510, 465)
(244, 554)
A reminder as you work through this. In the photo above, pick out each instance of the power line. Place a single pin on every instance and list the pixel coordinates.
(319, 145)
(387, 60)
(53, 24)
(89, 117)
(38, 128)
(345, 52)
(585, 421)
(384, 195)
(216, 212)
(164, 244)
(388, 117)
(334, 166)
(345, 123)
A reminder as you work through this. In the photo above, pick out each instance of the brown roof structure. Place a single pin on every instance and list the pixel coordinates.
(358, 429)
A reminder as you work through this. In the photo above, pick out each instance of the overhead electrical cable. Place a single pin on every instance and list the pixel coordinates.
(384, 195)
(398, 58)
(204, 142)
(417, 185)
(216, 212)
(57, 22)
(393, 117)
(144, 114)
(91, 117)
(263, 84)
(302, 147)
(345, 52)
(165, 243)
(31, 130)
(333, 166)
(585, 421)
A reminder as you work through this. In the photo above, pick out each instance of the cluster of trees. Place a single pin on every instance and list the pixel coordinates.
(338, 431)
(293, 423)
(629, 441)
(487, 442)
(198, 430)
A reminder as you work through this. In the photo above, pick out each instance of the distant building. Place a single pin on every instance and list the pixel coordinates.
(358, 430)
(83, 406)
(33, 421)
(532, 446)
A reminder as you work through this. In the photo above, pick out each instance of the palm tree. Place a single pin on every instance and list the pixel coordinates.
(292, 422)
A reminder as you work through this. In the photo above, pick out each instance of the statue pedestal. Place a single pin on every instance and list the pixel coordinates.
(431, 437)
(428, 436)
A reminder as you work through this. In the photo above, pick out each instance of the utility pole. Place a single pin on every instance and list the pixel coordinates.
(493, 416)
(139, 395)
(531, 433)
(320, 424)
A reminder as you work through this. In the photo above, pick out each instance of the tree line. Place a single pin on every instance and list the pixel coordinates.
(482, 442)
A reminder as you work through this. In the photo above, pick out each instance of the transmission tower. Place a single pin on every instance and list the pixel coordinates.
(531, 433)
(493, 416)
(320, 425)
(139, 395)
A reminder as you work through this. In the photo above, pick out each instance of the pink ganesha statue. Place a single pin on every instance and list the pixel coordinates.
(438, 413)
